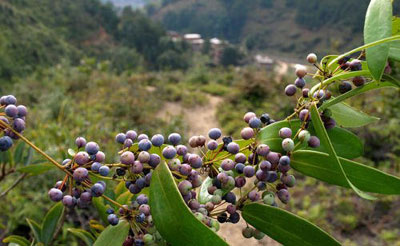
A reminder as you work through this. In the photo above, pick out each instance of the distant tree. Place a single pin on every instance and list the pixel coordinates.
(171, 60)
(231, 56)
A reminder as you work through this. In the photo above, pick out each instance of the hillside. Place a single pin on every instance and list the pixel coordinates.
(289, 27)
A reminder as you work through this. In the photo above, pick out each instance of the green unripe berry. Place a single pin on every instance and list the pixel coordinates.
(258, 234)
(304, 136)
(199, 216)
(269, 198)
(148, 238)
(216, 199)
(218, 192)
(215, 225)
(247, 232)
(288, 144)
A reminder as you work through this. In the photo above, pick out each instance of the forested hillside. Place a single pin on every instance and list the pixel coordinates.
(323, 25)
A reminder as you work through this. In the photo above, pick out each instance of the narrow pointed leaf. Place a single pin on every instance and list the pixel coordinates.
(98, 203)
(173, 219)
(285, 227)
(113, 235)
(326, 142)
(85, 236)
(19, 240)
(318, 165)
(125, 198)
(204, 196)
(50, 222)
(36, 169)
(347, 116)
(378, 25)
(36, 229)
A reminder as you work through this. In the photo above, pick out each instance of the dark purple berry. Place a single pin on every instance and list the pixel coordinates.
(55, 195)
(254, 196)
(154, 160)
(283, 195)
(300, 83)
(181, 150)
(314, 142)
(157, 140)
(104, 170)
(185, 169)
(265, 119)
(80, 142)
(144, 157)
(120, 138)
(169, 152)
(304, 115)
(92, 148)
(95, 166)
(137, 167)
(212, 145)
(240, 158)
(185, 187)
(174, 138)
(234, 218)
(357, 81)
(100, 156)
(304, 92)
(86, 197)
(233, 148)
(227, 164)
(132, 135)
(239, 167)
(81, 158)
(22, 111)
(261, 175)
(222, 218)
(80, 174)
(255, 122)
(11, 111)
(113, 219)
(97, 190)
(69, 201)
(144, 144)
(128, 143)
(344, 87)
(247, 133)
(284, 160)
(240, 181)
(127, 158)
(214, 133)
(5, 143)
(195, 161)
(285, 132)
(249, 171)
(290, 90)
(272, 176)
(265, 166)
(142, 136)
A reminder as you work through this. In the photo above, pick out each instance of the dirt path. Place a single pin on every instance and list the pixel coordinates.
(201, 119)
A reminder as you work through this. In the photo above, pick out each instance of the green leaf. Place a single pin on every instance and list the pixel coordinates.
(36, 169)
(394, 51)
(50, 222)
(325, 141)
(389, 82)
(21, 241)
(378, 25)
(28, 158)
(36, 229)
(113, 235)
(204, 196)
(340, 138)
(125, 198)
(347, 116)
(85, 236)
(285, 227)
(318, 165)
(19, 153)
(98, 203)
(120, 188)
(173, 219)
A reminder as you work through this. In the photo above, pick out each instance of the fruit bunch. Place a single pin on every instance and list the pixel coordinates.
(13, 115)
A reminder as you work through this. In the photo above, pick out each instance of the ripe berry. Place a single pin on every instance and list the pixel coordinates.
(247, 133)
(231, 208)
(113, 219)
(249, 171)
(174, 138)
(222, 218)
(304, 136)
(273, 158)
(285, 132)
(86, 197)
(329, 123)
(80, 142)
(69, 201)
(272, 176)
(80, 174)
(301, 71)
(95, 167)
(230, 197)
(290, 90)
(355, 65)
(110, 211)
(144, 157)
(140, 182)
(234, 218)
(288, 144)
(253, 196)
(154, 160)
(142, 136)
(5, 143)
(283, 195)
(144, 144)
(304, 115)
(97, 189)
(169, 152)
(185, 169)
(11, 111)
(248, 116)
(134, 189)
(128, 143)
(212, 145)
(92, 148)
(195, 161)
(300, 83)
(200, 140)
(288, 180)
(255, 122)
(312, 58)
(265, 165)
(81, 158)
(240, 181)
(304, 92)
(127, 158)
(239, 167)
(344, 87)
(233, 147)
(104, 170)
(265, 119)
(137, 167)
(314, 142)
(240, 158)
(100, 156)
(262, 150)
(227, 164)
(214, 133)
(132, 135)
(284, 160)
(261, 175)
(343, 60)
(55, 195)
(22, 111)
(120, 138)
(185, 187)
(157, 140)
(357, 81)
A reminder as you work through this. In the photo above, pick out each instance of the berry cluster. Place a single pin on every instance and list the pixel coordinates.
(14, 115)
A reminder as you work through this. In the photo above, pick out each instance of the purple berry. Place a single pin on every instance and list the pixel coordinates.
(304, 92)
(255, 122)
(80, 174)
(262, 150)
(272, 176)
(288, 180)
(142, 136)
(154, 160)
(185, 169)
(304, 115)
(248, 116)
(132, 135)
(261, 175)
(239, 167)
(249, 171)
(181, 150)
(81, 158)
(222, 177)
(212, 145)
(233, 148)
(285, 132)
(265, 165)
(169, 152)
(240, 158)
(104, 170)
(265, 119)
(195, 161)
(184, 187)
(144, 144)
(290, 90)
(144, 157)
(128, 143)
(157, 140)
(95, 166)
(22, 111)
(247, 133)
(10, 99)
(5, 143)
(240, 181)
(69, 201)
(283, 195)
(100, 156)
(92, 148)
(284, 160)
(300, 83)
(86, 197)
(97, 189)
(112, 219)
(127, 158)
(344, 87)
(11, 111)
(120, 138)
(214, 133)
(174, 138)
(80, 142)
(137, 167)
(254, 196)
(314, 142)
(227, 164)
(55, 195)
(301, 71)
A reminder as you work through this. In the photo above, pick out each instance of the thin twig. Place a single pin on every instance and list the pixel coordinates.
(16, 182)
